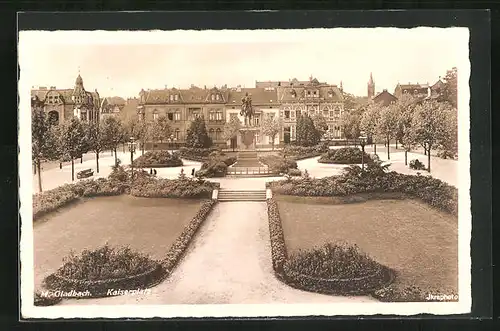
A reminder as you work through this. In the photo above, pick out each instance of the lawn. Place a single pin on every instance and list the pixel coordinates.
(419, 242)
(145, 224)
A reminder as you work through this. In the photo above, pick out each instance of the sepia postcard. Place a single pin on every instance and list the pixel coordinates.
(244, 173)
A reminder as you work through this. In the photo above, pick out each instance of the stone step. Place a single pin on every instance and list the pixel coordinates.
(242, 194)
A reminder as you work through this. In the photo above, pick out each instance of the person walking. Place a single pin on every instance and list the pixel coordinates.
(192, 173)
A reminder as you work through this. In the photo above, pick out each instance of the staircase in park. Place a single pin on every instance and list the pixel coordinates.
(241, 195)
(247, 159)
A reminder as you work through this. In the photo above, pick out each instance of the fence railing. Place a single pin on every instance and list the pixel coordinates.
(248, 171)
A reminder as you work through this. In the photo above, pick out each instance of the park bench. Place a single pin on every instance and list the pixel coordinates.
(85, 173)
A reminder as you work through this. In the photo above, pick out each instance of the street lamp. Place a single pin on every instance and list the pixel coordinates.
(172, 140)
(362, 143)
(131, 148)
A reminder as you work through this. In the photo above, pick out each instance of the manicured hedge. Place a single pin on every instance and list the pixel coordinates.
(428, 189)
(278, 247)
(346, 155)
(174, 188)
(179, 247)
(158, 159)
(197, 154)
(216, 165)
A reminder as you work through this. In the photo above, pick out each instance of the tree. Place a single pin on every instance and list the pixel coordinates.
(113, 133)
(387, 125)
(369, 120)
(450, 91)
(197, 136)
(320, 123)
(271, 126)
(408, 139)
(73, 141)
(42, 140)
(231, 129)
(350, 123)
(161, 129)
(307, 135)
(449, 141)
(404, 108)
(96, 139)
(430, 124)
(138, 130)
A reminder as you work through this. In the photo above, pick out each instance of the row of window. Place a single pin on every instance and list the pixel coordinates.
(312, 94)
(332, 114)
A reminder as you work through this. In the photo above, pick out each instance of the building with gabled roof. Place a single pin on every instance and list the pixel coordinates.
(384, 98)
(63, 104)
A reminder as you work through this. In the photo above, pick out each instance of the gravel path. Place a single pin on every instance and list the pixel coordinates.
(229, 262)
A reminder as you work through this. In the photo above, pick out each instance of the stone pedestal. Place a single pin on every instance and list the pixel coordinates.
(248, 138)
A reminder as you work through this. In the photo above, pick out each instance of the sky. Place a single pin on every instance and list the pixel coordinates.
(122, 63)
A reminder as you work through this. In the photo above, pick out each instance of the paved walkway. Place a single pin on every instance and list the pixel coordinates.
(229, 262)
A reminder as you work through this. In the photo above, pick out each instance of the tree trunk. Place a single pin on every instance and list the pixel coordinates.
(60, 165)
(425, 150)
(39, 176)
(142, 145)
(116, 158)
(111, 152)
(406, 157)
(429, 159)
(34, 168)
(375, 148)
(388, 154)
(97, 161)
(396, 144)
(72, 169)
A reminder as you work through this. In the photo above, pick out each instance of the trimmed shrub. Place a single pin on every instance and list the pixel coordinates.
(106, 267)
(346, 155)
(197, 154)
(417, 165)
(178, 248)
(277, 164)
(216, 165)
(430, 190)
(278, 248)
(158, 159)
(336, 269)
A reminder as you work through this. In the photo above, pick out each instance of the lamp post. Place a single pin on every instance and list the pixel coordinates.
(131, 148)
(362, 143)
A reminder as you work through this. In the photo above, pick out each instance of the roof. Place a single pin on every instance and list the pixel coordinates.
(384, 97)
(192, 95)
(119, 101)
(260, 96)
(290, 82)
(413, 86)
(66, 94)
(286, 93)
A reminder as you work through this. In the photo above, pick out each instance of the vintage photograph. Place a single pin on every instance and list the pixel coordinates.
(244, 173)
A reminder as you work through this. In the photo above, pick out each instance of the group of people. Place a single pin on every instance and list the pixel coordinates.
(154, 172)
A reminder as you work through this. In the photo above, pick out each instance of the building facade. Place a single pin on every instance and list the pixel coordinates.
(63, 104)
(286, 99)
(384, 98)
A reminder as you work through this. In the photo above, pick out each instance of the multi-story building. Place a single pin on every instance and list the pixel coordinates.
(312, 98)
(384, 98)
(420, 90)
(63, 104)
(219, 105)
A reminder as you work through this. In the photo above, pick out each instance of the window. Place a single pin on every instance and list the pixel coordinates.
(177, 116)
(213, 97)
(257, 138)
(233, 116)
(292, 113)
(416, 91)
(337, 112)
(271, 115)
(217, 97)
(170, 116)
(287, 114)
(292, 132)
(211, 116)
(176, 97)
(332, 114)
(219, 116)
(325, 113)
(177, 134)
(256, 120)
(330, 94)
(155, 115)
(211, 133)
(218, 133)
(171, 97)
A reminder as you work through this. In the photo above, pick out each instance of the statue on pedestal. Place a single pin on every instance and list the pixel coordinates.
(246, 109)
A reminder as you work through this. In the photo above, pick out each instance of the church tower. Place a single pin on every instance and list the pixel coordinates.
(371, 87)
(82, 100)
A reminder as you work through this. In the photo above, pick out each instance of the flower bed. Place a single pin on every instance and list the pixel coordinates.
(330, 270)
(432, 191)
(95, 272)
(346, 155)
(158, 159)
(216, 165)
(178, 248)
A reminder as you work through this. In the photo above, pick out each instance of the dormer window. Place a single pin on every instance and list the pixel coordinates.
(213, 97)
(416, 91)
(217, 97)
(171, 97)
(176, 97)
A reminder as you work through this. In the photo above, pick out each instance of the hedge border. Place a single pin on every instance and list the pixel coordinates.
(158, 166)
(147, 279)
(337, 286)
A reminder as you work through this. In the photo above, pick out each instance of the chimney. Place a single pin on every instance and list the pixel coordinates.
(42, 88)
(428, 91)
(205, 87)
(52, 87)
